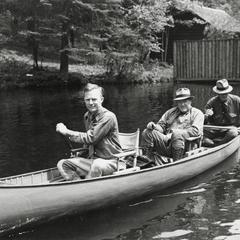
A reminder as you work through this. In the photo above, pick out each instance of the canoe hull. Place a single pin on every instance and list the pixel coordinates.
(21, 205)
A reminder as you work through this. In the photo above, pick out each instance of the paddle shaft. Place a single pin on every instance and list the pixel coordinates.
(66, 139)
(221, 127)
(218, 127)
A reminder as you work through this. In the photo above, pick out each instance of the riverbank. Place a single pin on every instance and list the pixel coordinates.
(16, 72)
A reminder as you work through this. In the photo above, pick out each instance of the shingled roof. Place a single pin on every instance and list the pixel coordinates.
(217, 18)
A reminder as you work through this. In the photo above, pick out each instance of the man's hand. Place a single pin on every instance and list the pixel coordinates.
(177, 131)
(209, 112)
(151, 125)
(61, 128)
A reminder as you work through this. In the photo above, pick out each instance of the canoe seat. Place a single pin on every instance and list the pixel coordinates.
(193, 143)
(195, 151)
(130, 146)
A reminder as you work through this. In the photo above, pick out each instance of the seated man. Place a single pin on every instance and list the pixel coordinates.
(167, 137)
(101, 138)
(222, 110)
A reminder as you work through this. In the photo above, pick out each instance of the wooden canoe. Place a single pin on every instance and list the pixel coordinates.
(39, 196)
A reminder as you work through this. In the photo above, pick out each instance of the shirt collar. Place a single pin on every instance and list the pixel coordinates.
(97, 114)
(227, 101)
(183, 113)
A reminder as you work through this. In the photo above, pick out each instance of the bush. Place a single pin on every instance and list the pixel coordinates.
(12, 66)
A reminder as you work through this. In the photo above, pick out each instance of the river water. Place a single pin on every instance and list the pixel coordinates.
(207, 207)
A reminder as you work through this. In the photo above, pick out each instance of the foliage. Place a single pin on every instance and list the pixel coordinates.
(11, 65)
(85, 32)
(137, 34)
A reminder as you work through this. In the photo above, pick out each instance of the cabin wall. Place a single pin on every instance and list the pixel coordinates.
(183, 32)
(206, 60)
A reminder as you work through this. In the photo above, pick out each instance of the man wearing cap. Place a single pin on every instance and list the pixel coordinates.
(222, 110)
(167, 137)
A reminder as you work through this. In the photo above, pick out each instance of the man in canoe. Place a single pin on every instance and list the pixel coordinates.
(222, 110)
(101, 138)
(168, 136)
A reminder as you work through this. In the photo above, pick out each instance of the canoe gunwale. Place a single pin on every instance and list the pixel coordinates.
(182, 161)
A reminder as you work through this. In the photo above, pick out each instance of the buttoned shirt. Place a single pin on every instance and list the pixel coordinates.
(191, 121)
(101, 134)
(225, 113)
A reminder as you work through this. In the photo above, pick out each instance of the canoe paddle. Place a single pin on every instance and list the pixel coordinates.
(221, 127)
(218, 127)
(66, 139)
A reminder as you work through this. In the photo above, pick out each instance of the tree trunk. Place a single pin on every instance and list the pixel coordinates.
(33, 42)
(35, 53)
(64, 54)
(14, 26)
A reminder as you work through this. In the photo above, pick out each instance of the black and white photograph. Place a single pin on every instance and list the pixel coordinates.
(119, 119)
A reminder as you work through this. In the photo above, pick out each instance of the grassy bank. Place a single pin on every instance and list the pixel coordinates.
(16, 72)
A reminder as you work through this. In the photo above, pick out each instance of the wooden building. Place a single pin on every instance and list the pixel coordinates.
(207, 60)
(205, 44)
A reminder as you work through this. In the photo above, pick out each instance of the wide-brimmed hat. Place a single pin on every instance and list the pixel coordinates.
(182, 93)
(222, 87)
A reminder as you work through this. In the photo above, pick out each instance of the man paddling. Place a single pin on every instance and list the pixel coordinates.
(101, 138)
(222, 110)
(167, 137)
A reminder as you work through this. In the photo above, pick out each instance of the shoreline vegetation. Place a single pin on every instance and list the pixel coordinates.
(16, 71)
(61, 43)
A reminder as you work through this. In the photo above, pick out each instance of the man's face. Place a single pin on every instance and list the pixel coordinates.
(93, 100)
(223, 97)
(184, 105)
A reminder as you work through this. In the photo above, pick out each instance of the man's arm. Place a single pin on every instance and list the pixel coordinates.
(197, 125)
(96, 132)
(93, 135)
(208, 110)
(154, 126)
(61, 128)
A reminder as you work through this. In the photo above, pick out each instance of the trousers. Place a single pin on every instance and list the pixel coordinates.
(164, 144)
(79, 167)
(224, 135)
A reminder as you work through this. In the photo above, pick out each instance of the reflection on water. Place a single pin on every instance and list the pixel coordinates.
(205, 208)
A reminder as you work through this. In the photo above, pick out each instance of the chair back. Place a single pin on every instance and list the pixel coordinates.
(129, 141)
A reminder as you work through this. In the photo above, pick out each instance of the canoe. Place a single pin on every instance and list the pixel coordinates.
(41, 196)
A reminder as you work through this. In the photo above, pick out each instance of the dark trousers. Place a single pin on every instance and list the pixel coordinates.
(223, 135)
(163, 144)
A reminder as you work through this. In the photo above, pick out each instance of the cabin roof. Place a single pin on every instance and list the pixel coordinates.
(217, 18)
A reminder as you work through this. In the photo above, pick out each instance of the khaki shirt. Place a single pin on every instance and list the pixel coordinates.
(191, 121)
(101, 134)
(224, 115)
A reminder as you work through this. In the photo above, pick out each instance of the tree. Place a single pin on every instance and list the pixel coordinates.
(119, 34)
(26, 19)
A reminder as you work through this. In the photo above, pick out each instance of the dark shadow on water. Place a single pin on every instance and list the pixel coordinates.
(114, 221)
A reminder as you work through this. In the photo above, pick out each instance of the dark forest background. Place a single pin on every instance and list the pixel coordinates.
(111, 36)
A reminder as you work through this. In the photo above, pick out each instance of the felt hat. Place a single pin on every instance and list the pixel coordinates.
(222, 87)
(182, 93)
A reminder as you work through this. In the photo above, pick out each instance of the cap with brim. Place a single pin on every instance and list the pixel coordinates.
(222, 87)
(222, 90)
(182, 94)
(183, 97)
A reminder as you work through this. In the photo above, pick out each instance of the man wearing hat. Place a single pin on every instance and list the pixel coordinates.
(222, 110)
(167, 137)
